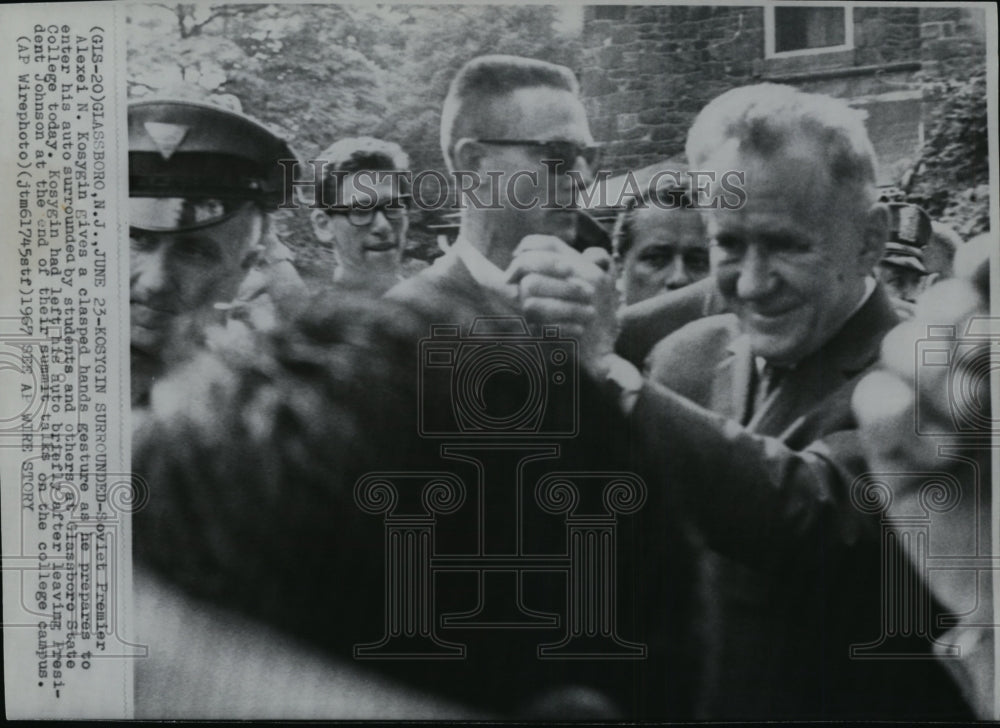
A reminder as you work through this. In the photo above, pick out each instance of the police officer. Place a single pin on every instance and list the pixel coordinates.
(202, 180)
(902, 269)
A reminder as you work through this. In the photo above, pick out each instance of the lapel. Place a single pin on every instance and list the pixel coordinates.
(854, 348)
(731, 389)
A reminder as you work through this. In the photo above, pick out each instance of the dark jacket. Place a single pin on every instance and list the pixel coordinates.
(787, 567)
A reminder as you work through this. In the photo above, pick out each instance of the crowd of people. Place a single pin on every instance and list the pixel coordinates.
(732, 357)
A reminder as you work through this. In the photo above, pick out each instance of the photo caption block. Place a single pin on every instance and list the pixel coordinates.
(64, 450)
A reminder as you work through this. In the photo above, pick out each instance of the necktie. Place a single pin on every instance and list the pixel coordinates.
(768, 379)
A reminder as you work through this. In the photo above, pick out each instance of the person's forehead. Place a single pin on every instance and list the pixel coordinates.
(663, 223)
(789, 188)
(363, 184)
(543, 112)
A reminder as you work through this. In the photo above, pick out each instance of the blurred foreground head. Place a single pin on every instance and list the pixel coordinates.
(252, 450)
(931, 398)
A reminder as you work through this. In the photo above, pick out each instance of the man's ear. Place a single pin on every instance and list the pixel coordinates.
(468, 154)
(875, 234)
(322, 225)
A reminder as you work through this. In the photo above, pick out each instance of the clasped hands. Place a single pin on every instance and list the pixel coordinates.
(575, 291)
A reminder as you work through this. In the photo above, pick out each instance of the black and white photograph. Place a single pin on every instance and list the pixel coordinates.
(502, 362)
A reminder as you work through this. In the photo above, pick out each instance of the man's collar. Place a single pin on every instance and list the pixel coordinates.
(869, 290)
(484, 272)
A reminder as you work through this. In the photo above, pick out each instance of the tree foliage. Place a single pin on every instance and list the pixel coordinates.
(317, 73)
(952, 180)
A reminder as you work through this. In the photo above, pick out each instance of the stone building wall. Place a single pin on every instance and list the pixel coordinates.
(647, 70)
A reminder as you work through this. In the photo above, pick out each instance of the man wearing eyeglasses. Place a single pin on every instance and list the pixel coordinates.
(365, 215)
(202, 180)
(515, 134)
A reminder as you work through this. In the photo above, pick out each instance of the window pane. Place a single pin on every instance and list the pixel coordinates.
(799, 28)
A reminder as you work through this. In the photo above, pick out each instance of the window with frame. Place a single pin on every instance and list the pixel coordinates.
(807, 29)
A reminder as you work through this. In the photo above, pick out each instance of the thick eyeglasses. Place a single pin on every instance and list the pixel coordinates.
(562, 151)
(393, 210)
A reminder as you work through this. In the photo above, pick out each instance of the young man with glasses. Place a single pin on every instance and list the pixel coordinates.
(365, 217)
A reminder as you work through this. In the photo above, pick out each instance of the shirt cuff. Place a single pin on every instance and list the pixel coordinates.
(624, 377)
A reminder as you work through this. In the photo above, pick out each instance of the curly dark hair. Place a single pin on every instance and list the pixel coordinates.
(252, 450)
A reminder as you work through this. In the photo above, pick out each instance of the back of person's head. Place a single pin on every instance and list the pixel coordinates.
(485, 81)
(768, 119)
(252, 450)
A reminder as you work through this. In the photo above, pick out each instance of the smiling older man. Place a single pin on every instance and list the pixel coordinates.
(747, 427)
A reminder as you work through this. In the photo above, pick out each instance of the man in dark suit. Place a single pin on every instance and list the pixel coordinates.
(515, 134)
(517, 129)
(746, 423)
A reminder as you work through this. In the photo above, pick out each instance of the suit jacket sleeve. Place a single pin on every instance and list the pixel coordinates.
(750, 496)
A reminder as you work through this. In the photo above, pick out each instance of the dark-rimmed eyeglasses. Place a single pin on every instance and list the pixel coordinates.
(361, 216)
(561, 151)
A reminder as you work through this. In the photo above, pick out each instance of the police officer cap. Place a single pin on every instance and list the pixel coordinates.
(909, 233)
(193, 164)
